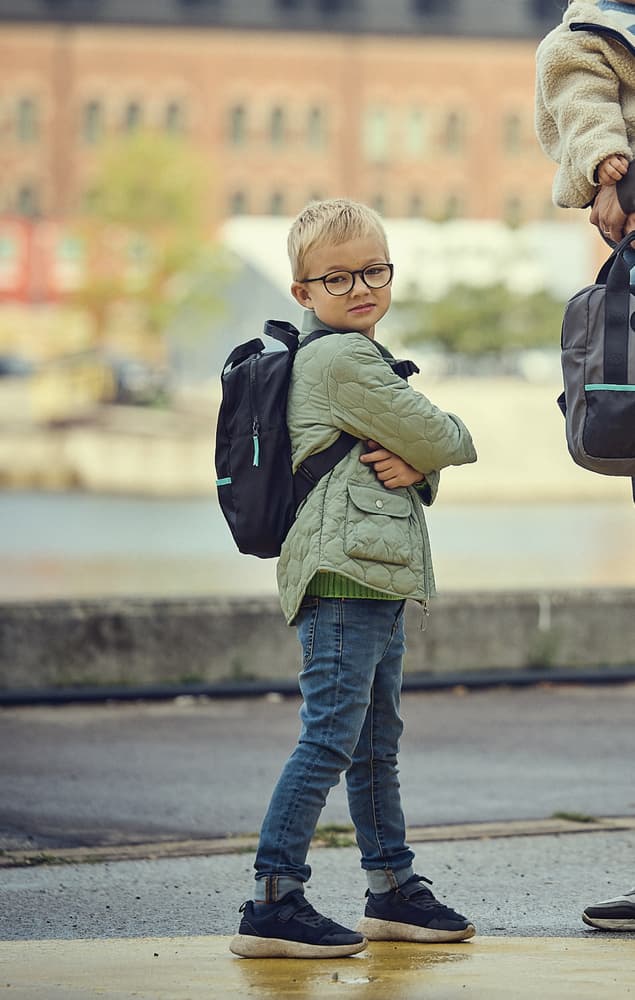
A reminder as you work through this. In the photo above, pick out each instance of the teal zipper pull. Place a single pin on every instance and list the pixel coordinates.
(256, 441)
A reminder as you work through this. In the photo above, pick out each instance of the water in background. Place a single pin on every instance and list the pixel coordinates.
(84, 545)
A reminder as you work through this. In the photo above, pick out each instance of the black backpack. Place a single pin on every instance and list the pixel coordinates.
(257, 490)
(598, 366)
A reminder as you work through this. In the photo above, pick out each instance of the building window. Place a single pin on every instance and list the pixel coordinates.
(375, 136)
(276, 203)
(549, 210)
(512, 133)
(454, 132)
(132, 117)
(88, 199)
(378, 202)
(238, 125)
(92, 122)
(174, 118)
(545, 9)
(316, 131)
(27, 125)
(415, 133)
(27, 201)
(430, 6)
(277, 127)
(415, 206)
(453, 207)
(238, 203)
(513, 211)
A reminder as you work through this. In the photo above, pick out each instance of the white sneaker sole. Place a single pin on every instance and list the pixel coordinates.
(250, 946)
(389, 930)
(609, 923)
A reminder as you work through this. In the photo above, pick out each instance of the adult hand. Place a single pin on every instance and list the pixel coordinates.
(390, 469)
(607, 214)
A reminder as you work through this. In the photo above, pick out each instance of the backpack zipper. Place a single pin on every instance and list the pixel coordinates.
(255, 426)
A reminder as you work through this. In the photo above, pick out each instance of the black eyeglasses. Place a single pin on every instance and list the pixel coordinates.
(342, 282)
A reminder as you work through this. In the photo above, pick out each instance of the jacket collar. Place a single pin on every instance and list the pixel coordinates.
(607, 17)
(310, 323)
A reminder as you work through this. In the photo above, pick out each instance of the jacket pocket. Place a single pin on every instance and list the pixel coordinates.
(377, 525)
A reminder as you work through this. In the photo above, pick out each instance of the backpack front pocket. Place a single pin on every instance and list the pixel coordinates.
(376, 525)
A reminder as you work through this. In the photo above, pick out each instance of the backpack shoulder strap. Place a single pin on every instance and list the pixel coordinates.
(315, 466)
(402, 368)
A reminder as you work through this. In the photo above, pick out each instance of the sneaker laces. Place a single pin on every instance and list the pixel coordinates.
(414, 891)
(300, 909)
(420, 896)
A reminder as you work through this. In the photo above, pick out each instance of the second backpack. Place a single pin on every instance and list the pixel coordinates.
(598, 366)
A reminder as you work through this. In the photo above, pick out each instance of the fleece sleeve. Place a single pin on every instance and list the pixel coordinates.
(578, 114)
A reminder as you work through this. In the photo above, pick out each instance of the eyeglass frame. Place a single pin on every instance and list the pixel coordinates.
(353, 274)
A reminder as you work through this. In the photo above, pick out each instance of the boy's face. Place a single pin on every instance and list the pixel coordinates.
(362, 307)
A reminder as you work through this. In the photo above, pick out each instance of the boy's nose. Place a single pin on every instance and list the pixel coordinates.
(358, 284)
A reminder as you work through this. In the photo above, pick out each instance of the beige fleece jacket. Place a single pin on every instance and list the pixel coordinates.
(585, 95)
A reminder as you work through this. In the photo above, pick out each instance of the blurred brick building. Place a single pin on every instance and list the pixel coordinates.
(420, 108)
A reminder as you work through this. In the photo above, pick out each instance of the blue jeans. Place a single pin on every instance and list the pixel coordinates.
(351, 686)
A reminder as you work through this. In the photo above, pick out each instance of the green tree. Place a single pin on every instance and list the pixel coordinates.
(144, 236)
(475, 320)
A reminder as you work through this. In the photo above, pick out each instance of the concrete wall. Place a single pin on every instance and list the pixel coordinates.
(150, 642)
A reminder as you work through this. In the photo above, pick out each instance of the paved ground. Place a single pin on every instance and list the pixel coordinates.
(156, 927)
(124, 773)
(202, 969)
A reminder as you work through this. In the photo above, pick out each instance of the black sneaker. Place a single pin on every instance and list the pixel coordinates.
(613, 914)
(411, 913)
(291, 928)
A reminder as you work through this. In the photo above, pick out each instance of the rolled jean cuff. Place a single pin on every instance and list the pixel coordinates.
(385, 879)
(271, 888)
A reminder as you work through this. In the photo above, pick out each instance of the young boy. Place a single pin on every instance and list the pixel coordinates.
(357, 549)
(585, 109)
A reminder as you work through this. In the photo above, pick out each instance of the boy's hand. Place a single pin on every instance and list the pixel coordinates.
(390, 469)
(612, 169)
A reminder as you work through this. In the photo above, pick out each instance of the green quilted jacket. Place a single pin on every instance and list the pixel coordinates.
(350, 524)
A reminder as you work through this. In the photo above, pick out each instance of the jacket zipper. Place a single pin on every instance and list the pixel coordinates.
(255, 424)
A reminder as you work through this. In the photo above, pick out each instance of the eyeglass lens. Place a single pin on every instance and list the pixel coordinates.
(373, 276)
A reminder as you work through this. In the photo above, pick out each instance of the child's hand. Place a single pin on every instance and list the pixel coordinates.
(390, 469)
(612, 169)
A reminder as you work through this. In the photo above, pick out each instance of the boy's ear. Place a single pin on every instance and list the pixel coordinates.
(301, 294)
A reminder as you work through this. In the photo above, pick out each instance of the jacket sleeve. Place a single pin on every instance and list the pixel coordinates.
(579, 118)
(368, 400)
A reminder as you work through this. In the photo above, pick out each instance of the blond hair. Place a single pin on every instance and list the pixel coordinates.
(334, 221)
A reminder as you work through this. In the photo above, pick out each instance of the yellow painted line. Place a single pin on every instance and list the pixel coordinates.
(597, 967)
(247, 844)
